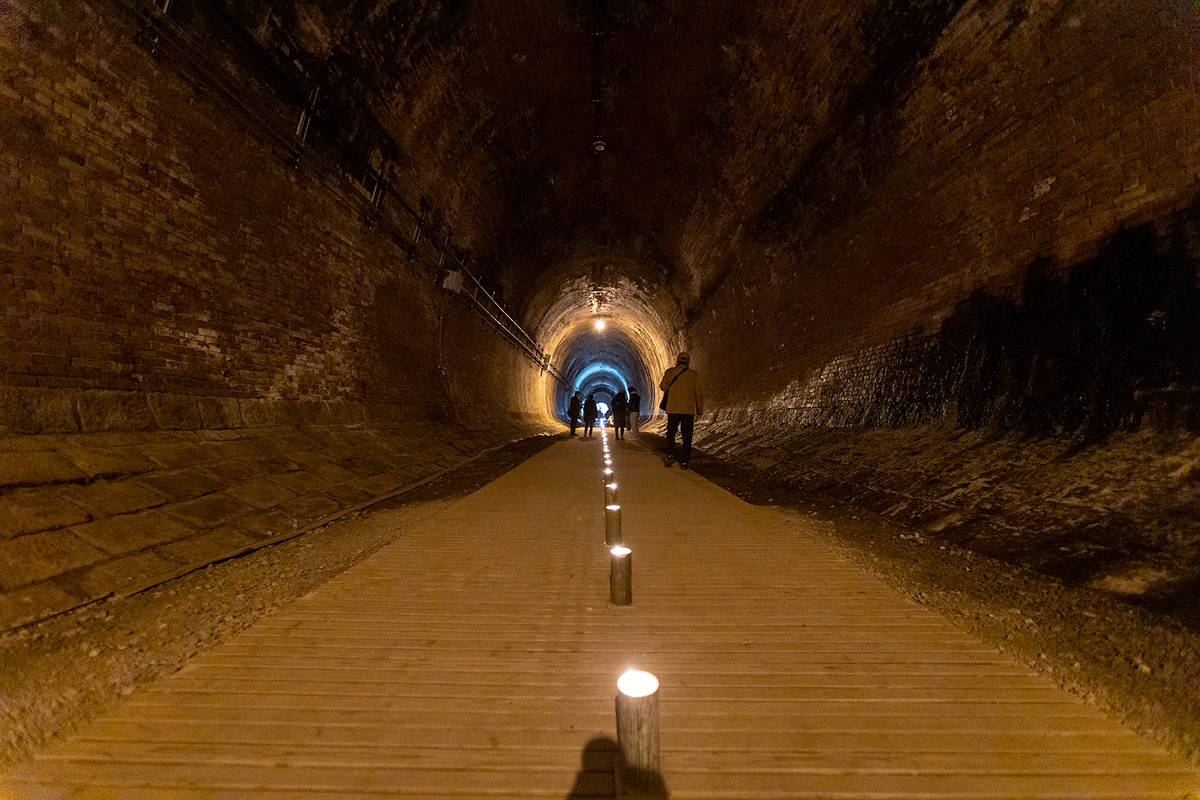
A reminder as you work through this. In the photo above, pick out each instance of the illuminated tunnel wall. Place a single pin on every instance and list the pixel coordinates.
(636, 345)
(953, 215)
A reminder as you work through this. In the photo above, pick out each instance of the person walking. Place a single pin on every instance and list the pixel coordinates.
(589, 415)
(620, 413)
(683, 401)
(574, 410)
(635, 410)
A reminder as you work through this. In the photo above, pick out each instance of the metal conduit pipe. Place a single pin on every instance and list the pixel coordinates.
(159, 29)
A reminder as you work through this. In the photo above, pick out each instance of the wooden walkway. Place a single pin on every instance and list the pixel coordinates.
(477, 657)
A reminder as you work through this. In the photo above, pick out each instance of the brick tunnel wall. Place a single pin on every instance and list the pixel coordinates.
(202, 347)
(978, 305)
(1023, 139)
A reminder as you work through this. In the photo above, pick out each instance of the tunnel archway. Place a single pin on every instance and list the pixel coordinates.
(635, 342)
(934, 259)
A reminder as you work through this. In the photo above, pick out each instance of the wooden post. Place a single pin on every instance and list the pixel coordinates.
(620, 577)
(637, 733)
(612, 525)
(610, 494)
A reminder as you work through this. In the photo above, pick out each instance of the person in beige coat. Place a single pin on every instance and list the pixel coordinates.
(684, 401)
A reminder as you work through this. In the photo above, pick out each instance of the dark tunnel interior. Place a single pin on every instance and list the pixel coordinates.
(936, 260)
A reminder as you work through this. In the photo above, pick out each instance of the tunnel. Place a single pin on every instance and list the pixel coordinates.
(276, 272)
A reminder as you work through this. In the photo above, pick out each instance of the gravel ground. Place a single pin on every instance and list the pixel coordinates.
(1139, 665)
(65, 671)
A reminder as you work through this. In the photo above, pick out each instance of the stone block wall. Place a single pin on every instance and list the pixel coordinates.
(83, 516)
(1027, 137)
(1110, 343)
(171, 269)
(976, 306)
(1115, 516)
(203, 347)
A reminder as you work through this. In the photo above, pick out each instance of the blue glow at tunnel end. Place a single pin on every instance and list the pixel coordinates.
(600, 367)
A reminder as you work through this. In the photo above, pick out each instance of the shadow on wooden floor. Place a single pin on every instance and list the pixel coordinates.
(600, 776)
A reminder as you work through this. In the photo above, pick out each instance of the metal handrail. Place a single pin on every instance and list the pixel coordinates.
(485, 302)
(482, 300)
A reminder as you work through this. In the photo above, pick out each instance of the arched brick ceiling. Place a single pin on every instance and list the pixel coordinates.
(710, 109)
(633, 348)
(733, 130)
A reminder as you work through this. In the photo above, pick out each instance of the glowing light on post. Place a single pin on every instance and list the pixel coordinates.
(635, 683)
(612, 525)
(620, 577)
(637, 730)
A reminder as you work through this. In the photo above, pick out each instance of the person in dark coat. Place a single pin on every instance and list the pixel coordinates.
(589, 416)
(620, 415)
(635, 410)
(574, 410)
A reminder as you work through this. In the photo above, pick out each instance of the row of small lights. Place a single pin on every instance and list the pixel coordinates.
(637, 698)
(620, 593)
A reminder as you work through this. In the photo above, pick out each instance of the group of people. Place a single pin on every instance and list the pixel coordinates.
(623, 415)
(682, 400)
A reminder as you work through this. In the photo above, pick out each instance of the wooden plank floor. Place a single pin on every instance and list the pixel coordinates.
(477, 657)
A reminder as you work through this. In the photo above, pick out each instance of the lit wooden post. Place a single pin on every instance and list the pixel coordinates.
(620, 576)
(637, 732)
(610, 494)
(612, 525)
